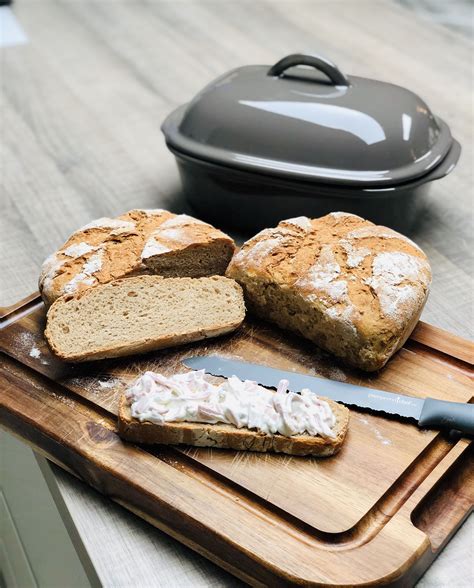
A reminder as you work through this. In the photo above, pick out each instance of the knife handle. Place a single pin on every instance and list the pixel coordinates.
(451, 415)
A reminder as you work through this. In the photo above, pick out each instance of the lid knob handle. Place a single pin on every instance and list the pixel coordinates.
(316, 61)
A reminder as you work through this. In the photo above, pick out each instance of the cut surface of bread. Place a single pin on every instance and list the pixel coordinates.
(138, 242)
(226, 436)
(354, 288)
(141, 314)
(194, 261)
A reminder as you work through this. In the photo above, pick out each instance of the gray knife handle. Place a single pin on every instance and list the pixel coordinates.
(451, 415)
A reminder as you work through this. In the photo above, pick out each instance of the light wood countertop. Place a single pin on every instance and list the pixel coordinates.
(81, 107)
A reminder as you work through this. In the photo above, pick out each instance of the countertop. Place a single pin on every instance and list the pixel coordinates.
(83, 96)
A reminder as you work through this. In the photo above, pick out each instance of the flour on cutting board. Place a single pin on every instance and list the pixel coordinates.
(27, 343)
(108, 383)
(93, 385)
(35, 352)
(64, 399)
(378, 435)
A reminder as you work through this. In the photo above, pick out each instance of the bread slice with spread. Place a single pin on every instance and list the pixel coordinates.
(138, 242)
(187, 409)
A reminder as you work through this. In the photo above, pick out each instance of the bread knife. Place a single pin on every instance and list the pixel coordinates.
(427, 412)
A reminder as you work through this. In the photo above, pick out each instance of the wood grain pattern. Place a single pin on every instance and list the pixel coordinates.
(113, 70)
(379, 512)
(160, 560)
(444, 342)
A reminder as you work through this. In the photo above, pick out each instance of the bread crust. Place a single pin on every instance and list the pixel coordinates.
(353, 288)
(225, 436)
(143, 345)
(138, 242)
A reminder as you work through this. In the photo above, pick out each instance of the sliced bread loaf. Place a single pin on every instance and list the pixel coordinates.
(137, 242)
(226, 436)
(141, 314)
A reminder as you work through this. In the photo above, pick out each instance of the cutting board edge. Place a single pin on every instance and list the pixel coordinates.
(397, 576)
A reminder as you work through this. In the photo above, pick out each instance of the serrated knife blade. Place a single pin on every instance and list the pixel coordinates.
(426, 411)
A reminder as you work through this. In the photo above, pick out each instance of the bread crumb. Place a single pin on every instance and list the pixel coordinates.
(337, 374)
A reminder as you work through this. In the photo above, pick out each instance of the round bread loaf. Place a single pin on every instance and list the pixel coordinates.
(354, 288)
(138, 242)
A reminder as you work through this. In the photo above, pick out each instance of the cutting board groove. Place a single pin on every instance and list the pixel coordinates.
(377, 513)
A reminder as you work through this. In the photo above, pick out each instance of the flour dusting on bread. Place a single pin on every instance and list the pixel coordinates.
(354, 288)
(355, 256)
(323, 277)
(152, 247)
(141, 241)
(303, 222)
(380, 232)
(79, 249)
(181, 220)
(396, 278)
(108, 223)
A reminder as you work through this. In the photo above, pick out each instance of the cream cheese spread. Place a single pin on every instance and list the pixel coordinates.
(190, 397)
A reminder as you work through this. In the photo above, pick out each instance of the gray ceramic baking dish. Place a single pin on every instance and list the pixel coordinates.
(262, 143)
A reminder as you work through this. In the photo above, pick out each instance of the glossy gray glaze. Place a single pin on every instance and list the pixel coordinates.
(297, 123)
(250, 201)
(262, 144)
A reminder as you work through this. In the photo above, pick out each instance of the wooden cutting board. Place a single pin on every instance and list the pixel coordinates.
(377, 513)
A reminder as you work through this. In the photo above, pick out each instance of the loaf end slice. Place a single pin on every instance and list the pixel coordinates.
(141, 314)
(225, 436)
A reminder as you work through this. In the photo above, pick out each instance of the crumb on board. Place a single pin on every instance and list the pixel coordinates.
(336, 373)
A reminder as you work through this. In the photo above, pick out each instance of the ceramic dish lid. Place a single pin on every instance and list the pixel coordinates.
(310, 123)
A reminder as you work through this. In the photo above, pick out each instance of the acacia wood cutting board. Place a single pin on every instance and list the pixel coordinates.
(377, 513)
